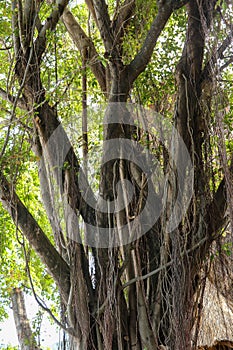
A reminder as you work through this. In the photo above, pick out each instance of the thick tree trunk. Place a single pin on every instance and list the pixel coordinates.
(25, 336)
(144, 291)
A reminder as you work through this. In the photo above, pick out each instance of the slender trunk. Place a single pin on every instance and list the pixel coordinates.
(25, 335)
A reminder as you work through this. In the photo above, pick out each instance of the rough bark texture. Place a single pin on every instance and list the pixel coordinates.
(143, 294)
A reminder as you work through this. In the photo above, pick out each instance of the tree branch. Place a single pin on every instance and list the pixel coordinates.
(177, 4)
(24, 331)
(83, 42)
(48, 197)
(141, 60)
(208, 69)
(48, 125)
(104, 24)
(90, 6)
(215, 213)
(57, 267)
(7, 97)
(15, 26)
(29, 20)
(21, 27)
(225, 65)
(50, 24)
(143, 57)
(160, 268)
(122, 18)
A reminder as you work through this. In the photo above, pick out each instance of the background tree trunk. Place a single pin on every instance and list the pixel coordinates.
(25, 335)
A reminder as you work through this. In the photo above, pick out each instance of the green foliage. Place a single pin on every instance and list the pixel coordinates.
(5, 42)
(20, 161)
(61, 73)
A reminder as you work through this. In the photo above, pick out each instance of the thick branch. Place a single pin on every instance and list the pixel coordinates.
(83, 42)
(48, 197)
(177, 4)
(57, 267)
(59, 150)
(15, 26)
(122, 18)
(215, 216)
(195, 42)
(216, 212)
(104, 23)
(21, 26)
(50, 24)
(143, 57)
(225, 65)
(90, 6)
(188, 73)
(29, 17)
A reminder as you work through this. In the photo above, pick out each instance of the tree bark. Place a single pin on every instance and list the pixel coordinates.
(25, 336)
(144, 292)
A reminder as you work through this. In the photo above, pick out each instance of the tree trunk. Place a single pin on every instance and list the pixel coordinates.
(144, 291)
(25, 336)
